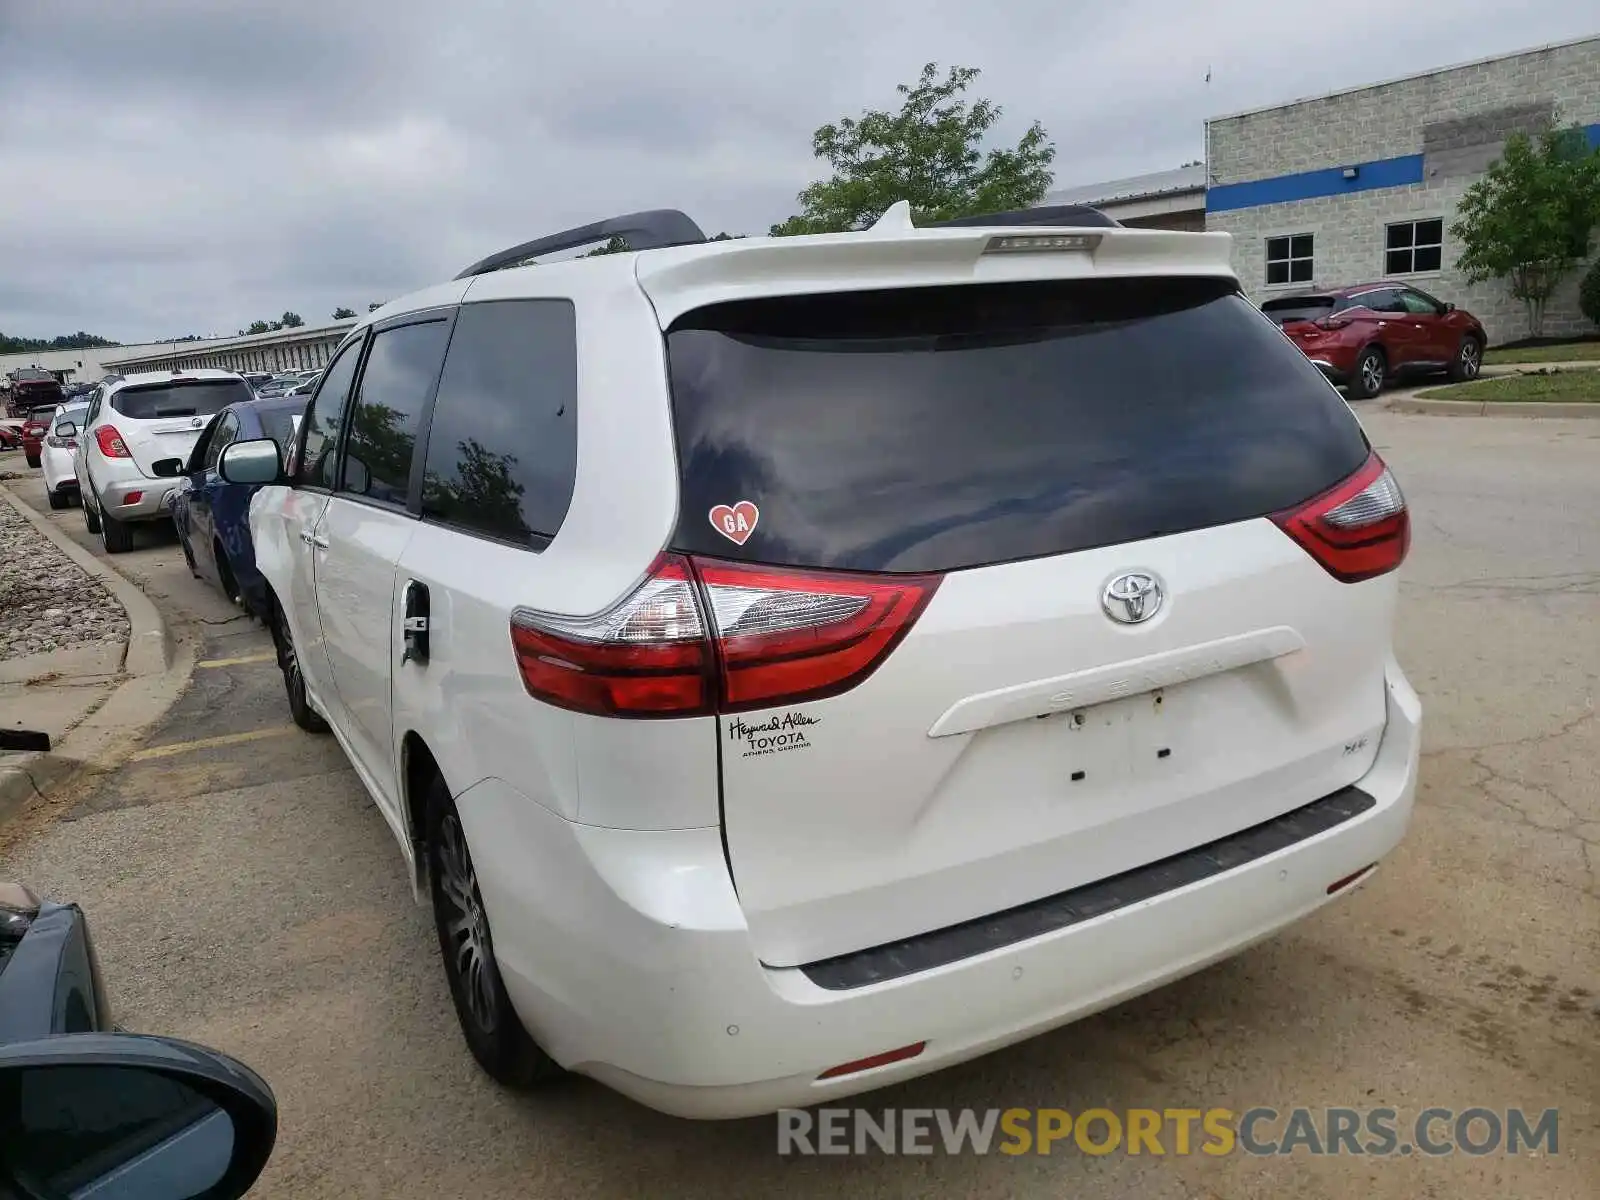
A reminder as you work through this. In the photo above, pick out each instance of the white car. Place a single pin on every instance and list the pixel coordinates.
(793, 665)
(135, 439)
(59, 449)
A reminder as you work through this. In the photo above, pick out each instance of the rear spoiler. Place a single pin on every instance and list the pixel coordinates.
(892, 254)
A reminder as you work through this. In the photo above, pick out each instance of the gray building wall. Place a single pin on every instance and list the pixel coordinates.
(1456, 118)
(304, 348)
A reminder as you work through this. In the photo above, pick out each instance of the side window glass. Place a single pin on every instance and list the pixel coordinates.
(1418, 305)
(227, 431)
(395, 384)
(323, 420)
(503, 443)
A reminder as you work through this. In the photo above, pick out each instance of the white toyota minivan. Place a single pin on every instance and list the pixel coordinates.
(794, 665)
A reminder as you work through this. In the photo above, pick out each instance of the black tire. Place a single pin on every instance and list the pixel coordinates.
(491, 1027)
(116, 536)
(294, 683)
(58, 499)
(91, 516)
(1367, 380)
(1468, 360)
(33, 459)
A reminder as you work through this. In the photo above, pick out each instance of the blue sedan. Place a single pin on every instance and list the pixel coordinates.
(213, 515)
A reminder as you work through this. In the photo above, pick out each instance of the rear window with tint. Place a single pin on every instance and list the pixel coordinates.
(935, 429)
(203, 398)
(1284, 311)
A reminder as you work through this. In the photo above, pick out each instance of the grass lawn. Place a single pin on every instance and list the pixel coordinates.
(1577, 385)
(1575, 352)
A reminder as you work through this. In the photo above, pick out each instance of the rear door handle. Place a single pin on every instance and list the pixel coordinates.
(313, 539)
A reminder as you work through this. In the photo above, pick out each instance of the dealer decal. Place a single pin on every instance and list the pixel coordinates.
(735, 522)
(773, 735)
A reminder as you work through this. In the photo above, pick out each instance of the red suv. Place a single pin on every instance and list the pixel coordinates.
(31, 388)
(1364, 336)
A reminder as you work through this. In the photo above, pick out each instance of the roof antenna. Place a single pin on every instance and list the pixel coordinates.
(896, 219)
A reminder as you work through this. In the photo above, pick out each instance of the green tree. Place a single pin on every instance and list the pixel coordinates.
(375, 305)
(1529, 218)
(343, 314)
(1589, 292)
(291, 320)
(929, 154)
(70, 341)
(259, 327)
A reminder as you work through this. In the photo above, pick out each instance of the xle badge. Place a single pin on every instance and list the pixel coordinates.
(736, 523)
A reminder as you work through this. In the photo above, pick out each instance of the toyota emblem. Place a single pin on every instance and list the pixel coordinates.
(1132, 598)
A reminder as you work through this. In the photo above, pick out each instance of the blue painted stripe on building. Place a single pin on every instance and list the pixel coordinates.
(1329, 181)
(1308, 185)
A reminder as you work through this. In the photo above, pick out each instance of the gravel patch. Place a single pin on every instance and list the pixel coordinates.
(47, 601)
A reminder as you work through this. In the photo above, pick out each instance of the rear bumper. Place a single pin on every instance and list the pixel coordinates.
(137, 499)
(627, 956)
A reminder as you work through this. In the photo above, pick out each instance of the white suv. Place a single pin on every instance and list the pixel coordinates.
(794, 665)
(136, 437)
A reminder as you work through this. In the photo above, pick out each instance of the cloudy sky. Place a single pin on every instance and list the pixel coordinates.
(185, 166)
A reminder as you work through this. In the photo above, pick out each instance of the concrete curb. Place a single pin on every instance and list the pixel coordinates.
(1495, 408)
(156, 671)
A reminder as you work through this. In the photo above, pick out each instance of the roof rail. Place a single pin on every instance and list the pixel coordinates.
(1068, 215)
(649, 230)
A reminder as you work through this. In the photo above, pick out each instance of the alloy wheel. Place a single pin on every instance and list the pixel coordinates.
(1471, 359)
(464, 925)
(1372, 373)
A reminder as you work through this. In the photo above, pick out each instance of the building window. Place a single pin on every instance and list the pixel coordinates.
(1413, 246)
(1289, 259)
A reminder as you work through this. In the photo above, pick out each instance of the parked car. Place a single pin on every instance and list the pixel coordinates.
(60, 448)
(33, 429)
(793, 665)
(89, 1110)
(30, 388)
(212, 515)
(1367, 335)
(279, 386)
(10, 438)
(135, 438)
(255, 378)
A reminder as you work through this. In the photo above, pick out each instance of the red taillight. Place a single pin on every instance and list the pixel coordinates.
(110, 442)
(1332, 323)
(645, 656)
(785, 635)
(701, 636)
(1357, 529)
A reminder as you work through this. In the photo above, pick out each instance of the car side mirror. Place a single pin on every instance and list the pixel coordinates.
(166, 468)
(66, 429)
(1448, 307)
(128, 1115)
(255, 461)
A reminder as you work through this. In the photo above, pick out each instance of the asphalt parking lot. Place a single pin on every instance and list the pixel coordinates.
(247, 895)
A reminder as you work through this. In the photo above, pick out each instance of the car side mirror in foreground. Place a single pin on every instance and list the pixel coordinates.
(117, 1114)
(66, 429)
(166, 468)
(256, 461)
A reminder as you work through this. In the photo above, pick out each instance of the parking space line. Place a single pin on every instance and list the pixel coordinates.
(242, 660)
(222, 739)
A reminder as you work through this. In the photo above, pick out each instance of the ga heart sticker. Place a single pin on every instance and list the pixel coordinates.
(735, 522)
